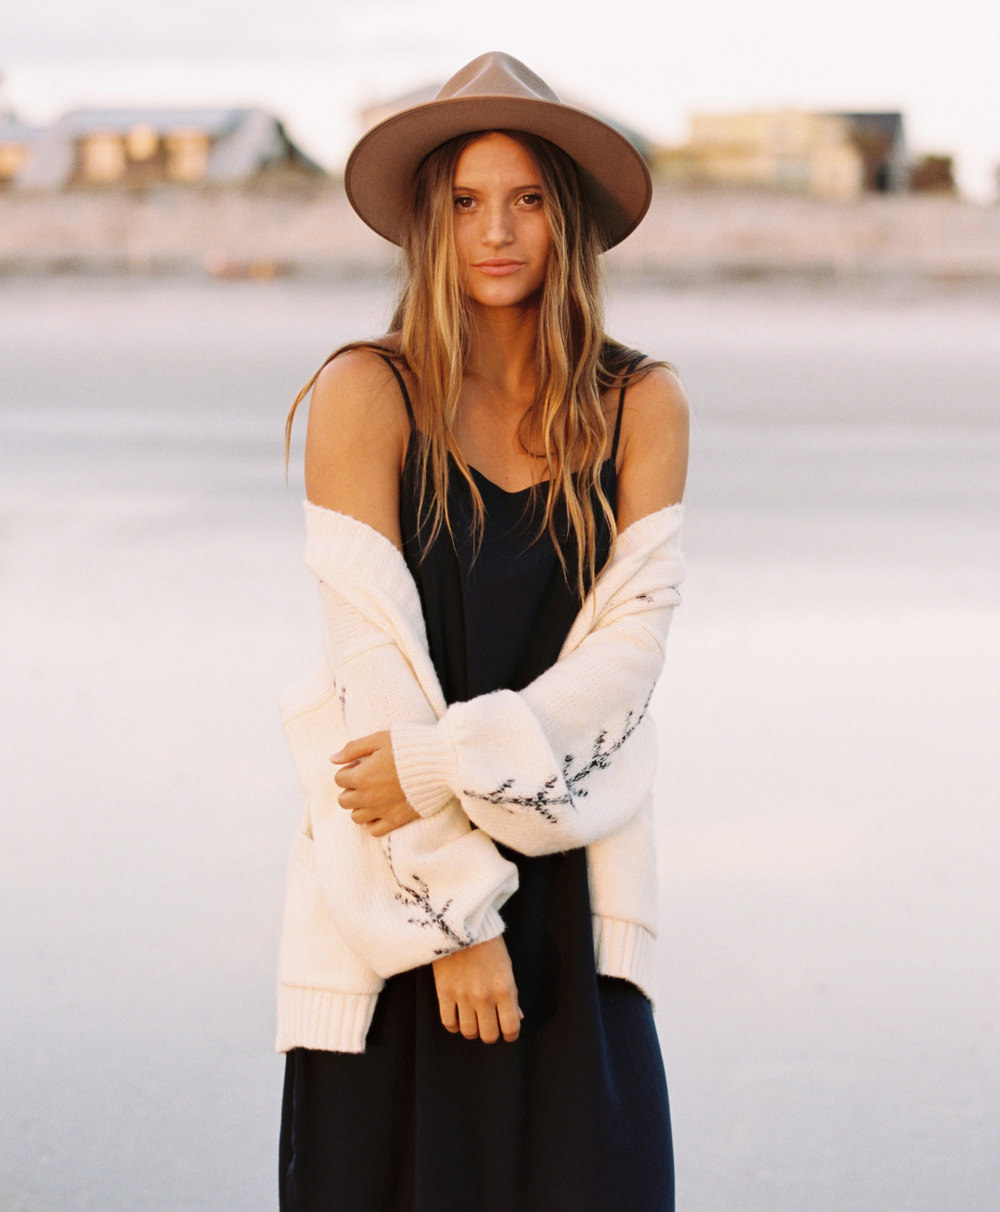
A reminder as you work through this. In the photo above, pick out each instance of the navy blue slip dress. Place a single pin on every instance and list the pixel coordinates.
(574, 1114)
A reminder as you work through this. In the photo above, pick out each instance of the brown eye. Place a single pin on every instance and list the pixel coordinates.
(463, 202)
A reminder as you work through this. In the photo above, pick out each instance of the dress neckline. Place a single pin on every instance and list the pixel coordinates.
(517, 492)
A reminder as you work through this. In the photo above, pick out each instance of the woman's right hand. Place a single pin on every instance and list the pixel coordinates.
(477, 994)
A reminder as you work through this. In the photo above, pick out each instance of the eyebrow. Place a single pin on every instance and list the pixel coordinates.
(470, 189)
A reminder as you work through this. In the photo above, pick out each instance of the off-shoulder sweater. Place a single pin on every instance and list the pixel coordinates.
(566, 762)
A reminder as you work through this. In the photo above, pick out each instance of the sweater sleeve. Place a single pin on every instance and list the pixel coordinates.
(569, 759)
(435, 885)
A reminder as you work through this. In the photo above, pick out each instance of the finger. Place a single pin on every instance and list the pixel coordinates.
(468, 1024)
(393, 817)
(363, 816)
(345, 777)
(449, 1015)
(352, 799)
(509, 1016)
(489, 1028)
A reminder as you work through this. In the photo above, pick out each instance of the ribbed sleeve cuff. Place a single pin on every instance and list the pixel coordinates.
(492, 926)
(426, 765)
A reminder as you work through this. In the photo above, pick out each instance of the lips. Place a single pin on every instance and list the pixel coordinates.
(497, 267)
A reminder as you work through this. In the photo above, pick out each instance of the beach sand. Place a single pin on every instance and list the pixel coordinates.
(828, 985)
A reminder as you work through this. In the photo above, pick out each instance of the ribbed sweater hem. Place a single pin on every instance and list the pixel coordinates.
(323, 1019)
(329, 1021)
(626, 950)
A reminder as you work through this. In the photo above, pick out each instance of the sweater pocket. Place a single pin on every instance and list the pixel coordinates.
(313, 954)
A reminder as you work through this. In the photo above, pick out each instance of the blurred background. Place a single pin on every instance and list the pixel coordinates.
(821, 262)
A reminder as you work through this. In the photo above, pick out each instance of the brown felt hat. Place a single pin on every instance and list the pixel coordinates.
(496, 92)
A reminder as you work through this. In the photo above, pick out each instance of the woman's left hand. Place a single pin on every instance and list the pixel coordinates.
(372, 793)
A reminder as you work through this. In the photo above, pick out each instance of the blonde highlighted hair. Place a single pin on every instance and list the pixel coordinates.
(430, 335)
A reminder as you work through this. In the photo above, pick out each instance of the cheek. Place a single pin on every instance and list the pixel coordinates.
(543, 238)
(460, 243)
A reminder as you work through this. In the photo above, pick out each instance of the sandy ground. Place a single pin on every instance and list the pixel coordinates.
(829, 988)
(689, 235)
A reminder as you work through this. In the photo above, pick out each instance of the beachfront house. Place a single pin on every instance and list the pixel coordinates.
(17, 141)
(833, 155)
(137, 148)
(881, 143)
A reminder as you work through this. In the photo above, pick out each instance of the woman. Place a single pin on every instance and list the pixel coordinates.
(493, 510)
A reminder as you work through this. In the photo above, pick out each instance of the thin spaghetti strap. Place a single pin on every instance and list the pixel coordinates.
(621, 404)
(402, 386)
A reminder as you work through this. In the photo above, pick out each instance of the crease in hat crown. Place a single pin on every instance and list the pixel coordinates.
(495, 92)
(496, 74)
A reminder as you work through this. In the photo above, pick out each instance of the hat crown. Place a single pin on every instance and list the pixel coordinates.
(496, 74)
(495, 92)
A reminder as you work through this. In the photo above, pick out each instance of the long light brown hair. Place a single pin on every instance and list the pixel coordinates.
(430, 335)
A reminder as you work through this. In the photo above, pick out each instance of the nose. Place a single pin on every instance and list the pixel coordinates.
(497, 226)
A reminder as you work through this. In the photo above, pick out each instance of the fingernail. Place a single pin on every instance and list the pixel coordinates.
(338, 756)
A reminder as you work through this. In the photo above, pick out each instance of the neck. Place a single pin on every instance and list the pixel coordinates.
(502, 353)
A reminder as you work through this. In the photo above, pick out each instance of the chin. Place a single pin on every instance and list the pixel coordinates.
(507, 298)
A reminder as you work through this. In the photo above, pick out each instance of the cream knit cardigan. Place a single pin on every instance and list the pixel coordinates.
(566, 762)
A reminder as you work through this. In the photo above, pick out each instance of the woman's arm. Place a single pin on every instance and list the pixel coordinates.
(654, 446)
(356, 441)
(565, 761)
(426, 895)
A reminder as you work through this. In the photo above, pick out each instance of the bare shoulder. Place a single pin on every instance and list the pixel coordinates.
(656, 407)
(356, 440)
(654, 445)
(356, 393)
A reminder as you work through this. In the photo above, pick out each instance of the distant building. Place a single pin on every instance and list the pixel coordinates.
(17, 141)
(144, 147)
(881, 143)
(836, 155)
(933, 174)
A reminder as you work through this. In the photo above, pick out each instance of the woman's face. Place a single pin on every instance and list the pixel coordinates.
(502, 236)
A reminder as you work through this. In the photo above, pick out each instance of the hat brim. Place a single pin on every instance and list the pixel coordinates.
(381, 167)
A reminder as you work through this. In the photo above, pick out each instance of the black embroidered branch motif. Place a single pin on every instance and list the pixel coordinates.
(601, 752)
(419, 898)
(547, 798)
(541, 801)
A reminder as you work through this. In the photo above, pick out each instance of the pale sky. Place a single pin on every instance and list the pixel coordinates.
(649, 64)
